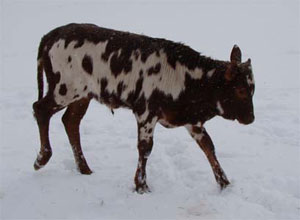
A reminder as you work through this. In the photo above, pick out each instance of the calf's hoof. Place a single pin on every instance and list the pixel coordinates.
(85, 170)
(141, 189)
(42, 159)
(223, 183)
(83, 167)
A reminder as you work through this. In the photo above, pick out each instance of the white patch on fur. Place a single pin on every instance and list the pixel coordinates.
(211, 73)
(196, 136)
(219, 108)
(171, 83)
(142, 117)
(146, 132)
(75, 78)
(37, 164)
(195, 74)
(199, 124)
(250, 80)
(40, 156)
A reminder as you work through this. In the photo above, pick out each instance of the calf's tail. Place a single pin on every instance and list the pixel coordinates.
(40, 80)
(40, 70)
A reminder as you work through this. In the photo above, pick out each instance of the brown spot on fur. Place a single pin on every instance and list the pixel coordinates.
(136, 54)
(111, 99)
(63, 89)
(120, 63)
(104, 57)
(103, 83)
(133, 96)
(56, 78)
(104, 96)
(69, 59)
(154, 70)
(87, 64)
(140, 105)
(92, 95)
(197, 130)
(120, 89)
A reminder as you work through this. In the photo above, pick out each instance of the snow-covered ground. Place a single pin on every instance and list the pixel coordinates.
(261, 160)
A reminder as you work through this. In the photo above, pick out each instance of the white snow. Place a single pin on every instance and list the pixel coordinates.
(261, 160)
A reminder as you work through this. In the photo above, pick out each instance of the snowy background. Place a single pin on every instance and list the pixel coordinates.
(262, 160)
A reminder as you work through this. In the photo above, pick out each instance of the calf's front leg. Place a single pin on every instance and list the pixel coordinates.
(204, 141)
(145, 143)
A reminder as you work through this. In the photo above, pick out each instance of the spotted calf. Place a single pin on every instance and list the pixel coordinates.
(159, 80)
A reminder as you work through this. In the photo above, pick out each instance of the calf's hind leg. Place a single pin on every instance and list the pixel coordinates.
(71, 119)
(43, 111)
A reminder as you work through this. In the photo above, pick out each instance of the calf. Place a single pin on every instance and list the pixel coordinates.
(159, 80)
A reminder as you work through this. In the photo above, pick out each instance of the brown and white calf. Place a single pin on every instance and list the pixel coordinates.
(159, 80)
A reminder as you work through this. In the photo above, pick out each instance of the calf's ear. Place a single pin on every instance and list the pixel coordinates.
(230, 72)
(236, 55)
(235, 60)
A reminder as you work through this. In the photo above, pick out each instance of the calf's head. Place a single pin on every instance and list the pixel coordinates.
(236, 98)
